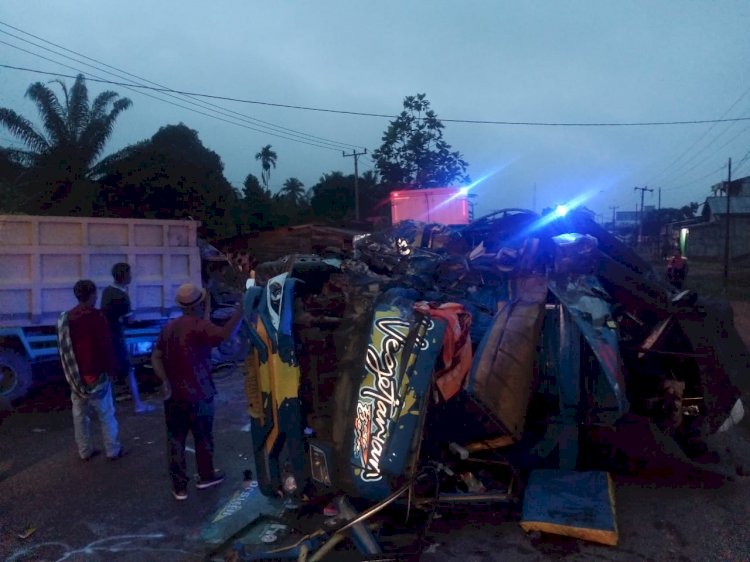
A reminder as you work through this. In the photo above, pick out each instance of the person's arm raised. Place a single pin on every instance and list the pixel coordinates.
(228, 328)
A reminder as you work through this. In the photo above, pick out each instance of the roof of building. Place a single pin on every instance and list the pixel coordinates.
(741, 186)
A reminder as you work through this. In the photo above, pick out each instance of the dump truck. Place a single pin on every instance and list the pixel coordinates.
(441, 367)
(43, 256)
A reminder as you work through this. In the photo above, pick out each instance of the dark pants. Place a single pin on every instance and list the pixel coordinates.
(676, 277)
(198, 419)
(122, 361)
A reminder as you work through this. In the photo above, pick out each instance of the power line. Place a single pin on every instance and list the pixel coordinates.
(743, 161)
(146, 80)
(696, 180)
(285, 133)
(688, 165)
(716, 151)
(95, 79)
(387, 116)
(662, 173)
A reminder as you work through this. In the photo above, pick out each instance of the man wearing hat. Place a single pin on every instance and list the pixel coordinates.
(182, 360)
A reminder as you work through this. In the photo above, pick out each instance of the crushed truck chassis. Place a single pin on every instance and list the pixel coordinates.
(443, 367)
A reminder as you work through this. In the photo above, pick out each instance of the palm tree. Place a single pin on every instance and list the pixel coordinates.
(267, 159)
(64, 153)
(294, 190)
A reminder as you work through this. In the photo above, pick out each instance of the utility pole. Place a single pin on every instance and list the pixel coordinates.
(643, 190)
(726, 238)
(356, 156)
(659, 207)
(614, 217)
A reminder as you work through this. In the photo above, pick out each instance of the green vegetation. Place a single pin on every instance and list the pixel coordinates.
(54, 171)
(171, 175)
(60, 169)
(267, 159)
(414, 154)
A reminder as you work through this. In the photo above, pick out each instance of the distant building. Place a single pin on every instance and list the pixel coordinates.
(629, 219)
(705, 237)
(740, 187)
(626, 222)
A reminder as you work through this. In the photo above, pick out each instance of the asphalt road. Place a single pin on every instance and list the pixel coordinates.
(54, 507)
(673, 511)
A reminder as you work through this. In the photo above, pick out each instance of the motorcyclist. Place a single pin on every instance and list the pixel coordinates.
(677, 268)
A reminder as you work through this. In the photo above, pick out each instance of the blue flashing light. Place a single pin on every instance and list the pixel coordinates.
(561, 210)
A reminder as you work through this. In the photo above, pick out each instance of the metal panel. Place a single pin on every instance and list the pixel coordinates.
(43, 257)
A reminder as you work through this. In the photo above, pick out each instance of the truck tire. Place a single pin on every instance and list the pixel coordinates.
(15, 375)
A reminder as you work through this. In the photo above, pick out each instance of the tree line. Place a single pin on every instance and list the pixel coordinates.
(61, 169)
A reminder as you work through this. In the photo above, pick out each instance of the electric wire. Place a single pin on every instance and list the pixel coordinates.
(318, 145)
(390, 116)
(712, 154)
(165, 89)
(97, 79)
(662, 173)
(744, 161)
(733, 120)
(696, 161)
(681, 170)
(136, 88)
(696, 180)
(321, 142)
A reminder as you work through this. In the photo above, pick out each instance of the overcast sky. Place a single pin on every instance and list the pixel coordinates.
(525, 61)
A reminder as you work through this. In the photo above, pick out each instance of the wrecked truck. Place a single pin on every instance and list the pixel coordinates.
(439, 366)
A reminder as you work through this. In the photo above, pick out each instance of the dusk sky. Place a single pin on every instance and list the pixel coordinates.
(555, 62)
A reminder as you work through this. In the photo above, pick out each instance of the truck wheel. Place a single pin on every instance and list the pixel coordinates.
(15, 375)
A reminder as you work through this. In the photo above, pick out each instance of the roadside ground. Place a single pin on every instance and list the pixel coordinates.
(54, 507)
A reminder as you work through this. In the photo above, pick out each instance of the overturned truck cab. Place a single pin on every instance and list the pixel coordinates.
(440, 366)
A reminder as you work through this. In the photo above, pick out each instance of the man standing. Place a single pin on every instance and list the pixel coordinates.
(87, 356)
(116, 307)
(182, 360)
(677, 269)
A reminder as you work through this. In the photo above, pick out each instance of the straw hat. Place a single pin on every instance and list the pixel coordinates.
(189, 295)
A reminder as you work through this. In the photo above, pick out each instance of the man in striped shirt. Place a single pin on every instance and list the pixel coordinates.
(87, 356)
